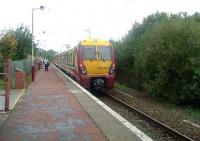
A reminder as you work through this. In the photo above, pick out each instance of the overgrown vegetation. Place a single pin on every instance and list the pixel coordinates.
(17, 44)
(8, 43)
(24, 43)
(162, 56)
(49, 54)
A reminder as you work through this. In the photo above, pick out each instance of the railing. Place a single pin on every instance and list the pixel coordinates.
(9, 77)
(24, 65)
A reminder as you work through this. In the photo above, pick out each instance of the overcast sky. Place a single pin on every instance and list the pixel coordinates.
(65, 21)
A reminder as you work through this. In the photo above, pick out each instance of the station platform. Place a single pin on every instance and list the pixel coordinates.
(54, 108)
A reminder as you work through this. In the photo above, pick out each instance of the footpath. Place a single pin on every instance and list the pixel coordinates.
(15, 95)
(49, 112)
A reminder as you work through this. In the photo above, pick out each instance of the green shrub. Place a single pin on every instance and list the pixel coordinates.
(162, 56)
(170, 59)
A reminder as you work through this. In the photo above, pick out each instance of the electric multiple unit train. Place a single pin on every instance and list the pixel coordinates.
(91, 63)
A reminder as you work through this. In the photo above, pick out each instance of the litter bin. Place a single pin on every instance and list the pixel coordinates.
(19, 79)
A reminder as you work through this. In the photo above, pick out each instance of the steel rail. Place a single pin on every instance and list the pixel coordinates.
(147, 117)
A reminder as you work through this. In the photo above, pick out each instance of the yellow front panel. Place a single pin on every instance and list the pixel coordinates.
(97, 67)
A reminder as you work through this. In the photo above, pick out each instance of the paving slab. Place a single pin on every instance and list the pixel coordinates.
(55, 108)
(49, 112)
(14, 96)
(114, 127)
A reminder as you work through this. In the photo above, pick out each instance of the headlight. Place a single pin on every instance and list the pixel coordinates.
(83, 69)
(112, 69)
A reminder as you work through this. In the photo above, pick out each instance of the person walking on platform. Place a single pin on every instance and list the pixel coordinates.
(45, 65)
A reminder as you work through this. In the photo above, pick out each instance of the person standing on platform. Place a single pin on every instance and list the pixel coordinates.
(45, 65)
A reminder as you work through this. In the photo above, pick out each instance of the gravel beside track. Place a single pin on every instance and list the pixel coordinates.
(152, 131)
(169, 114)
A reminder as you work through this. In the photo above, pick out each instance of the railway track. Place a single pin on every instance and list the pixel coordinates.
(176, 134)
(167, 129)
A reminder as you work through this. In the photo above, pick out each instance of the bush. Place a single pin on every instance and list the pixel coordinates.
(8, 43)
(170, 58)
(162, 56)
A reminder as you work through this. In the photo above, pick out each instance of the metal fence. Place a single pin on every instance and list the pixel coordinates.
(7, 79)
(24, 65)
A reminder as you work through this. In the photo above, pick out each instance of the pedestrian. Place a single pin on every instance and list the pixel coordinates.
(47, 65)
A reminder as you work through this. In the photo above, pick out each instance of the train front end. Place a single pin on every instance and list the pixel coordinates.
(97, 64)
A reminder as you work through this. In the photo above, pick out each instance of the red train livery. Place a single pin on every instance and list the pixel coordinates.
(91, 63)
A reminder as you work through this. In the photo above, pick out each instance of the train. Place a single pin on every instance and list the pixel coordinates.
(91, 63)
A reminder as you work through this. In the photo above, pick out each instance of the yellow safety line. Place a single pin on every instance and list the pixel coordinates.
(21, 93)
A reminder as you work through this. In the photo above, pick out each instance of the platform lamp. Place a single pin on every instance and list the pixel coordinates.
(33, 66)
(89, 32)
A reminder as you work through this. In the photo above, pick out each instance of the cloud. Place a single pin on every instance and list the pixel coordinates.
(66, 21)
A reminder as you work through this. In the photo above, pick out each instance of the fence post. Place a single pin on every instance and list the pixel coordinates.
(33, 72)
(7, 91)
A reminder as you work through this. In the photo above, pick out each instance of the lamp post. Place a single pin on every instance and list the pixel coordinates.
(33, 66)
(89, 32)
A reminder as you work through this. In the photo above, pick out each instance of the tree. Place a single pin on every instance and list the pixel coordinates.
(169, 58)
(162, 56)
(126, 50)
(8, 43)
(49, 54)
(24, 46)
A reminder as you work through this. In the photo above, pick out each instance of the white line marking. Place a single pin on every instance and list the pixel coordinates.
(193, 124)
(75, 91)
(131, 127)
(21, 93)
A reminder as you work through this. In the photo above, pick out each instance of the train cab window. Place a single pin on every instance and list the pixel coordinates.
(89, 53)
(104, 53)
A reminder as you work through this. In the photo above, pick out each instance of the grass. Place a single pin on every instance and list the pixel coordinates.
(124, 88)
(2, 84)
(193, 111)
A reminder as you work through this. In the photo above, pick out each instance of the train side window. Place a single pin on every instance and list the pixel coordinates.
(63, 59)
(67, 58)
(70, 58)
(74, 57)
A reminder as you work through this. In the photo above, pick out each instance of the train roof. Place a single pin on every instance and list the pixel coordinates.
(64, 51)
(89, 42)
(92, 42)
